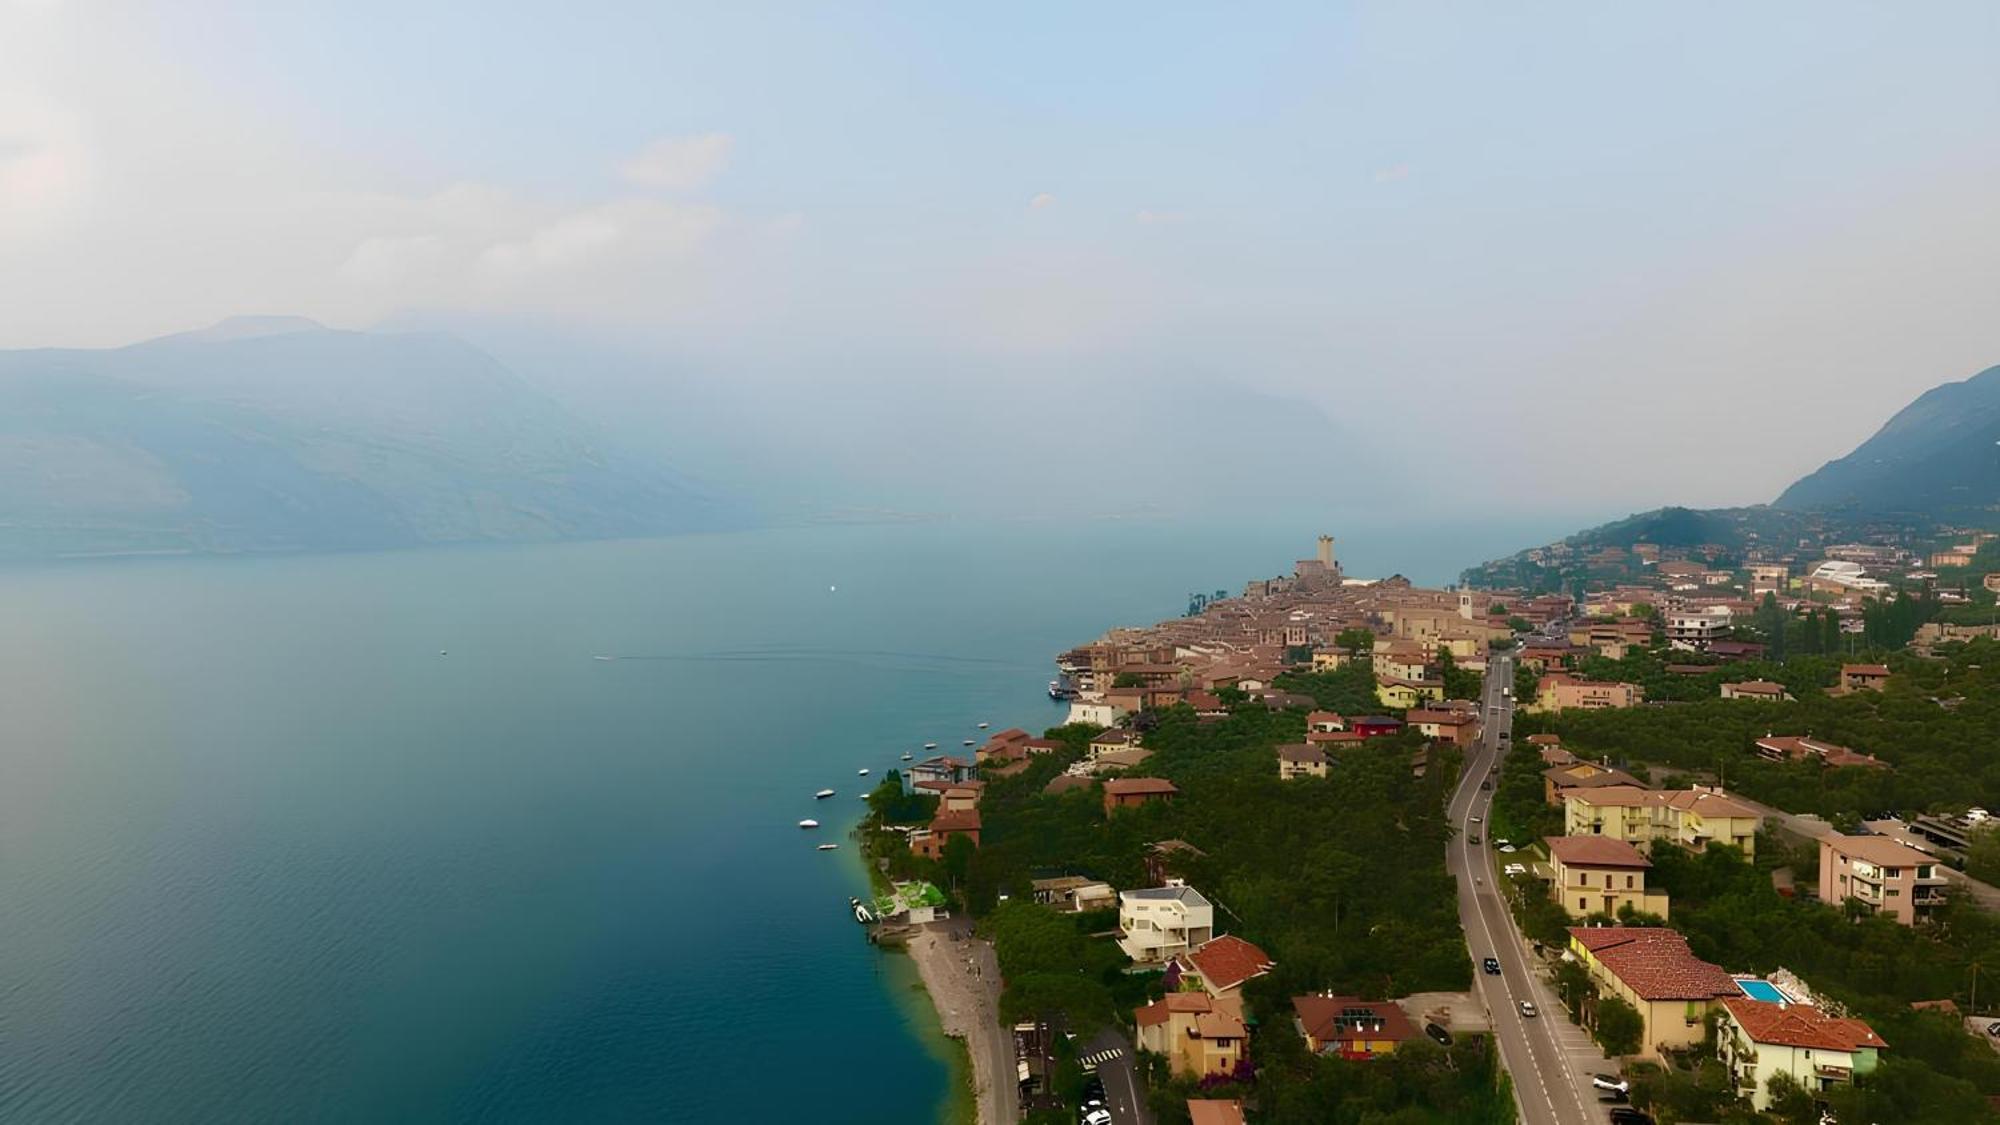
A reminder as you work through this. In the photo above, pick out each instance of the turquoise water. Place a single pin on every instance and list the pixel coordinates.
(1760, 990)
(266, 854)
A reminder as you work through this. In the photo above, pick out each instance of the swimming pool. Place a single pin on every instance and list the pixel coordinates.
(1761, 990)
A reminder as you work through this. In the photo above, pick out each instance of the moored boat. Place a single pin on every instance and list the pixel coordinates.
(808, 823)
(862, 772)
(822, 794)
(828, 847)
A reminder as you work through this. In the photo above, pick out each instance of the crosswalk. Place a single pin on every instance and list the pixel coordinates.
(1099, 1058)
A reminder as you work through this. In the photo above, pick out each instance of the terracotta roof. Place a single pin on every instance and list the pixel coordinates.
(1878, 850)
(1193, 1003)
(1653, 962)
(1594, 851)
(1335, 1019)
(1302, 752)
(1139, 786)
(1214, 1111)
(1228, 961)
(1218, 1025)
(1698, 801)
(1799, 749)
(1589, 775)
(1063, 783)
(1796, 1025)
(1757, 687)
(956, 820)
(1332, 737)
(1864, 669)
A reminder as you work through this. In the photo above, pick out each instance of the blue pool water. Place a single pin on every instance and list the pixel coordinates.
(1761, 990)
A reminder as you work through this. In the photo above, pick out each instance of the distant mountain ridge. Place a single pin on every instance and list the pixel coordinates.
(1937, 461)
(1938, 458)
(278, 434)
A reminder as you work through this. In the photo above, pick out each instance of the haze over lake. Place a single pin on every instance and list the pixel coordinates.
(373, 837)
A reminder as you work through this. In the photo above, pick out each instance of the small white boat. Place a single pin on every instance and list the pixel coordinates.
(907, 755)
(968, 742)
(930, 745)
(828, 847)
(862, 772)
(861, 912)
(808, 824)
(822, 794)
(982, 726)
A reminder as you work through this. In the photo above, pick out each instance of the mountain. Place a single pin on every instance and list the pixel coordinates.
(1938, 458)
(277, 434)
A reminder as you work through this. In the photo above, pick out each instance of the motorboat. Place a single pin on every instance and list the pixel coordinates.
(822, 794)
(862, 772)
(907, 755)
(861, 911)
(930, 745)
(808, 824)
(828, 847)
(982, 726)
(968, 742)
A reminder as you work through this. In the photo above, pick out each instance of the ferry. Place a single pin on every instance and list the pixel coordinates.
(828, 847)
(822, 794)
(808, 824)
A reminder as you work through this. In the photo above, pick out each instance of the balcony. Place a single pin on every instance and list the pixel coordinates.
(1834, 1073)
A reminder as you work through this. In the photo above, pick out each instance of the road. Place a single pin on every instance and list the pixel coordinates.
(1121, 1083)
(1550, 1059)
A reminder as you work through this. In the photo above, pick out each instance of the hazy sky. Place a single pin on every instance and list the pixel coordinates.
(1686, 251)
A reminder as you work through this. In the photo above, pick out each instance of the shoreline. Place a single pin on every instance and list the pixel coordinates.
(962, 979)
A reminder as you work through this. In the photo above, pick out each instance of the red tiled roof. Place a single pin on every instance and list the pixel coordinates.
(1653, 962)
(1139, 786)
(1337, 1019)
(1063, 783)
(1228, 961)
(1864, 669)
(1188, 1002)
(1796, 1025)
(1594, 851)
(1214, 1111)
(956, 820)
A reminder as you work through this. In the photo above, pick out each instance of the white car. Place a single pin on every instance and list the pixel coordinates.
(1610, 1082)
(1527, 1010)
(1097, 1117)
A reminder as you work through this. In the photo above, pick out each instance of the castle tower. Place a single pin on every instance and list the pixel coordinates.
(1326, 558)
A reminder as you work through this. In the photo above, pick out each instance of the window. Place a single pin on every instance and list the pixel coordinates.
(1628, 882)
(1582, 905)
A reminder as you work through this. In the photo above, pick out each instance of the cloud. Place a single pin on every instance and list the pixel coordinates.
(1042, 199)
(679, 163)
(1392, 173)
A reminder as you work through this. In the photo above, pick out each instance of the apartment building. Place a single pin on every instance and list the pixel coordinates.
(1560, 691)
(1597, 874)
(1757, 1039)
(1885, 877)
(1692, 630)
(1692, 818)
(1157, 924)
(1301, 760)
(1652, 969)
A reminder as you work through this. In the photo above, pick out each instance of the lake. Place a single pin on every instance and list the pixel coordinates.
(380, 837)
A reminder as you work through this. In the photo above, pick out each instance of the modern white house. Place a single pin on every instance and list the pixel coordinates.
(1157, 924)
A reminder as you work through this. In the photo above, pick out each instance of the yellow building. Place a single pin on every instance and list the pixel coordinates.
(1692, 818)
(1406, 694)
(1652, 969)
(1200, 1035)
(1599, 875)
(1349, 1026)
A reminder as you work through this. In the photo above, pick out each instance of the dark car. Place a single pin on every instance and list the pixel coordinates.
(1486, 785)
(1475, 837)
(1626, 1115)
(1440, 1034)
(1491, 965)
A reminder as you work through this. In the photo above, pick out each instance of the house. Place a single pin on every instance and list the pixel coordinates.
(1109, 740)
(1126, 759)
(1757, 1039)
(1207, 705)
(1008, 745)
(1220, 966)
(1369, 726)
(1325, 722)
(1199, 1035)
(1736, 650)
(1596, 874)
(1764, 691)
(1652, 969)
(1214, 1111)
(1785, 748)
(948, 823)
(1328, 739)
(944, 772)
(1330, 658)
(1863, 677)
(1560, 691)
(964, 795)
(1074, 893)
(1579, 775)
(1881, 875)
(1460, 728)
(1166, 859)
(1157, 924)
(1097, 712)
(1400, 693)
(1692, 818)
(1351, 1027)
(1127, 792)
(1301, 760)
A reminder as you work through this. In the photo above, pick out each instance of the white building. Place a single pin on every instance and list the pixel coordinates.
(1845, 575)
(1157, 924)
(1095, 712)
(1757, 1039)
(1692, 629)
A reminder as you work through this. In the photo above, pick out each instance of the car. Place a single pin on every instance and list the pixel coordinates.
(1491, 965)
(1527, 1010)
(1473, 819)
(1097, 1117)
(1626, 1115)
(1475, 837)
(1486, 785)
(1993, 1028)
(1610, 1082)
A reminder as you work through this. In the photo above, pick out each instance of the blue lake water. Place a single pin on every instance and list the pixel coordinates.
(266, 854)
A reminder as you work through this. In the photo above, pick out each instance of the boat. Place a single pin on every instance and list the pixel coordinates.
(828, 847)
(1062, 689)
(982, 726)
(907, 755)
(808, 824)
(968, 742)
(861, 911)
(822, 794)
(930, 745)
(862, 772)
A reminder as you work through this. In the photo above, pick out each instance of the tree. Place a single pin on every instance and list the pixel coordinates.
(1355, 640)
(1128, 680)
(1619, 1028)
(1982, 856)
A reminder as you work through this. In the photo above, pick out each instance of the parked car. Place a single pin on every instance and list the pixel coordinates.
(1442, 1036)
(1626, 1115)
(1489, 785)
(1097, 1117)
(1527, 1010)
(1610, 1082)
(1491, 965)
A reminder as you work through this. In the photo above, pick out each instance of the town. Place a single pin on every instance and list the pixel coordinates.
(1699, 839)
